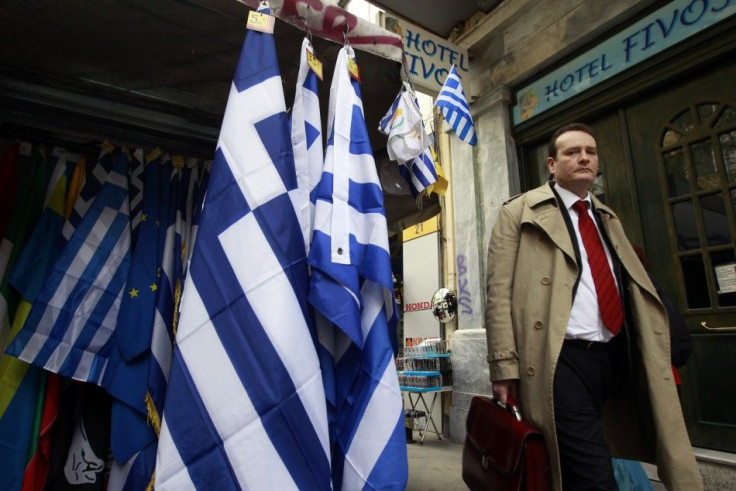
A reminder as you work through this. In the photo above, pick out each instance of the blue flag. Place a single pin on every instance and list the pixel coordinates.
(451, 101)
(352, 288)
(245, 406)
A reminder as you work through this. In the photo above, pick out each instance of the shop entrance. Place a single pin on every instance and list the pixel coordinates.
(683, 152)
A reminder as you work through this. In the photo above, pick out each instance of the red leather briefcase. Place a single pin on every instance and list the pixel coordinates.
(502, 452)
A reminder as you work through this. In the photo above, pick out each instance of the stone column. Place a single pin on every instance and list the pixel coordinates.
(483, 179)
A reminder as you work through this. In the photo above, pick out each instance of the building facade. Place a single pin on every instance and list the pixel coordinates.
(655, 80)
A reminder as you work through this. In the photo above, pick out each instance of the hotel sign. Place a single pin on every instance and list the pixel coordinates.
(428, 57)
(675, 22)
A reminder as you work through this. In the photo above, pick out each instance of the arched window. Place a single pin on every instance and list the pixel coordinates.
(697, 154)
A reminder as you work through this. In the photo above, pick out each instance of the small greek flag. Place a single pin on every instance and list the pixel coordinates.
(451, 101)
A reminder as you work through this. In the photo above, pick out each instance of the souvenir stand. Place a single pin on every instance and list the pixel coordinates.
(424, 373)
(151, 78)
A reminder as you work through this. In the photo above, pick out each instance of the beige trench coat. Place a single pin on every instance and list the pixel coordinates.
(531, 273)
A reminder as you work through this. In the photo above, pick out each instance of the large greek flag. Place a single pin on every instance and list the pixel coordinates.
(451, 101)
(352, 287)
(245, 406)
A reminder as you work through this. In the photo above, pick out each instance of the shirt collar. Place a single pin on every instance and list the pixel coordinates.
(569, 198)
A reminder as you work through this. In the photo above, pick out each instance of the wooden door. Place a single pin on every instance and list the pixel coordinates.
(683, 154)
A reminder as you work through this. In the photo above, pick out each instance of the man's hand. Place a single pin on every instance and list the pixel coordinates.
(502, 388)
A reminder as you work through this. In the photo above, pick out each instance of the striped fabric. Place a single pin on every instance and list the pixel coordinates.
(306, 140)
(90, 187)
(451, 101)
(245, 405)
(420, 173)
(75, 313)
(352, 287)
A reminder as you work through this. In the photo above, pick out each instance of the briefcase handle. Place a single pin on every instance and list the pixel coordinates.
(510, 406)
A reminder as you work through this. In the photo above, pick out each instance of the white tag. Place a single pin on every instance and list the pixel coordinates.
(25, 149)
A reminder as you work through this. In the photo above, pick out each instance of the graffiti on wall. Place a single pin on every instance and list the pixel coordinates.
(464, 297)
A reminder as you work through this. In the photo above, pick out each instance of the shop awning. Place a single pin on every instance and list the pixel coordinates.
(157, 72)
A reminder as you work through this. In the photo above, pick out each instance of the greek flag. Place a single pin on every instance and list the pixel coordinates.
(245, 406)
(306, 139)
(351, 287)
(451, 101)
(75, 313)
(91, 185)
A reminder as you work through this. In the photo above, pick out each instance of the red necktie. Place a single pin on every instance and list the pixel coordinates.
(609, 301)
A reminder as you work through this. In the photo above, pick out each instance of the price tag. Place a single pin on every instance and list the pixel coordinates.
(353, 69)
(153, 155)
(314, 64)
(260, 22)
(177, 161)
(108, 147)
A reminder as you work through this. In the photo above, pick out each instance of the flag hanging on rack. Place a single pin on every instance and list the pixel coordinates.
(135, 191)
(75, 313)
(454, 106)
(410, 146)
(352, 287)
(245, 405)
(404, 127)
(306, 139)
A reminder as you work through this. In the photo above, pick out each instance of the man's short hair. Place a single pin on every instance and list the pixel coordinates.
(552, 148)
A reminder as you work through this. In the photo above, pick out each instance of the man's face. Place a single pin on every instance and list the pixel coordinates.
(576, 164)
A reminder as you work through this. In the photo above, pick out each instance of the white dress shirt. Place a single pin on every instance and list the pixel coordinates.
(585, 317)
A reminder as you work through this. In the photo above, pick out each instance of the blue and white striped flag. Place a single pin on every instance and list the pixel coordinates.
(454, 106)
(245, 406)
(352, 287)
(94, 179)
(420, 173)
(135, 192)
(306, 139)
(74, 315)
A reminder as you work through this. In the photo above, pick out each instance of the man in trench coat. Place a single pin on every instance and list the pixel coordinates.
(585, 388)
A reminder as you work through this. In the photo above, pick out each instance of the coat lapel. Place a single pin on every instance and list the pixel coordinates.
(544, 212)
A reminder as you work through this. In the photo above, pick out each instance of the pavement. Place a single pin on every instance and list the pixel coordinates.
(435, 465)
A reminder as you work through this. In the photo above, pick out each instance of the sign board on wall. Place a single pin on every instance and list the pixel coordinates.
(662, 29)
(421, 229)
(429, 57)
